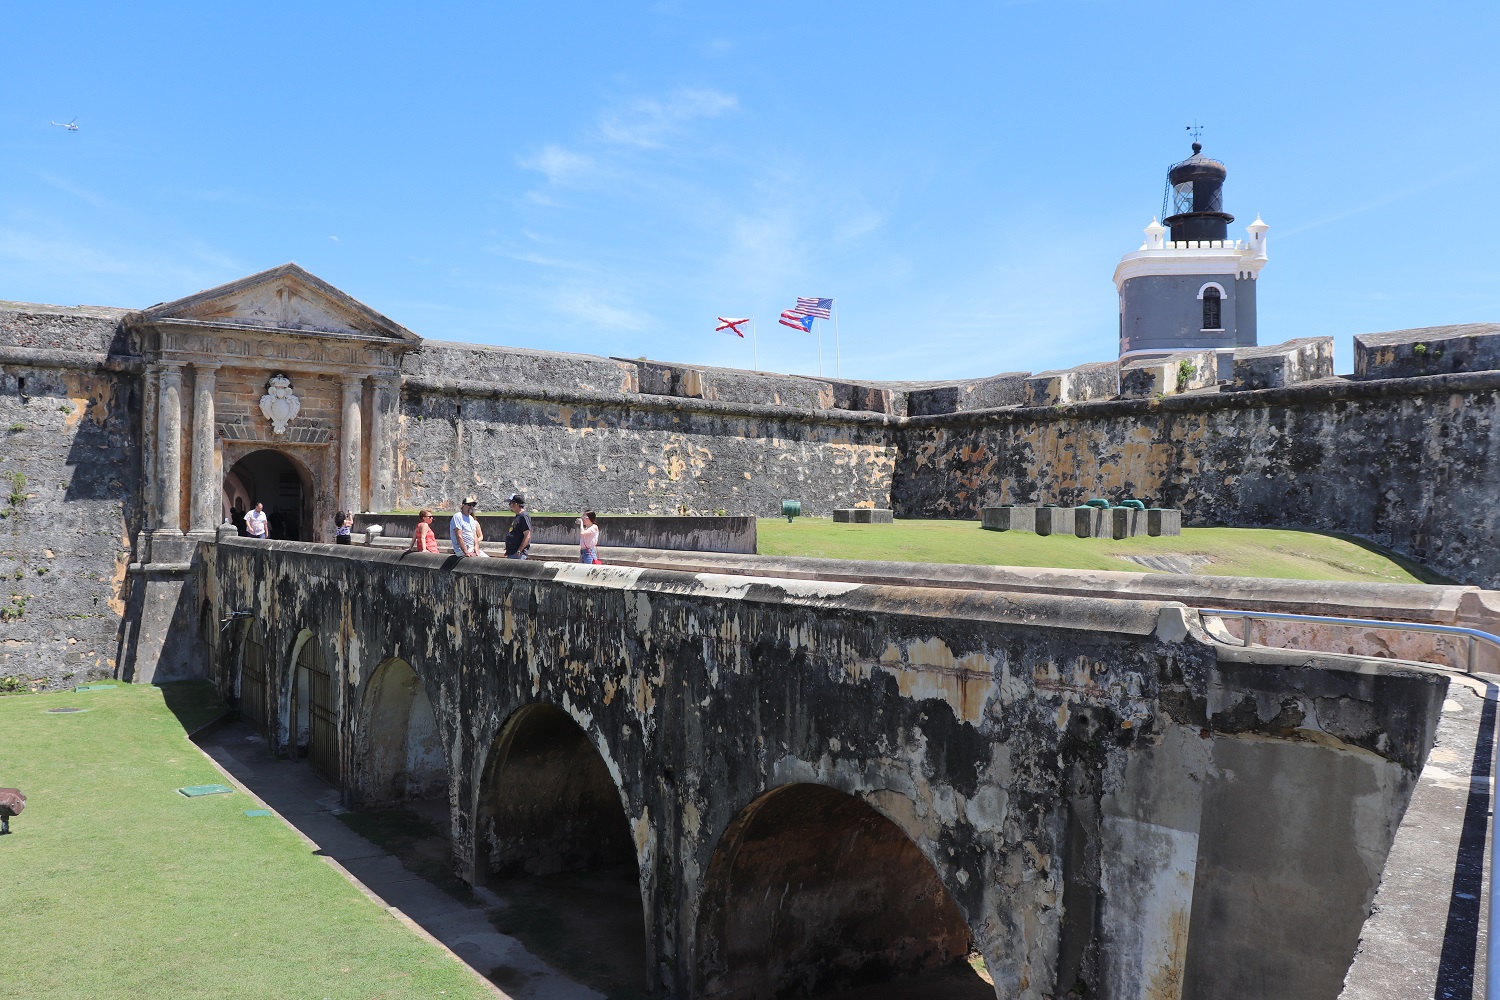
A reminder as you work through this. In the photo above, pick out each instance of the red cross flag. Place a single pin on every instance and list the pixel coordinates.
(731, 326)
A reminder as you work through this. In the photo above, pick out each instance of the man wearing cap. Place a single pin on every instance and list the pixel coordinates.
(463, 529)
(518, 538)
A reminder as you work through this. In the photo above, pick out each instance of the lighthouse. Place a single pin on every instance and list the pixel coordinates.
(1190, 287)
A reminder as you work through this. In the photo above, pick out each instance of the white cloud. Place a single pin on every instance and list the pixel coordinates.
(559, 165)
(585, 306)
(646, 122)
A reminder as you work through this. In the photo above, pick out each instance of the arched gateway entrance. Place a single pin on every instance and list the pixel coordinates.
(280, 483)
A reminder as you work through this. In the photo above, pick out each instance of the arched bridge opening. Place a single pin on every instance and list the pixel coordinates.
(399, 755)
(811, 891)
(312, 708)
(553, 840)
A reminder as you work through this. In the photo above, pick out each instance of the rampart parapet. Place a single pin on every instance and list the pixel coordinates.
(1429, 350)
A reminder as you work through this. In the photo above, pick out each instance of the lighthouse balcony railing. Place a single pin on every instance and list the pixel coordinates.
(1206, 245)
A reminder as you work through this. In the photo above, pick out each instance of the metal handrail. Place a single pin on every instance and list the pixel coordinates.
(1475, 636)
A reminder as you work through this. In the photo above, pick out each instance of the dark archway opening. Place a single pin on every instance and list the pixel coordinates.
(268, 477)
(811, 892)
(552, 839)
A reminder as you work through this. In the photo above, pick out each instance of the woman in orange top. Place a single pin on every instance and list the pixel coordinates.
(423, 540)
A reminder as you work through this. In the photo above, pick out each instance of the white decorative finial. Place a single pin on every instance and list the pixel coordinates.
(279, 404)
(1154, 234)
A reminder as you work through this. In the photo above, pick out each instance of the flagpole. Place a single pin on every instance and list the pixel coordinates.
(836, 338)
(754, 344)
(820, 349)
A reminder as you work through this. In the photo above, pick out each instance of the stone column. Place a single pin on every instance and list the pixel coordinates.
(169, 447)
(351, 443)
(387, 391)
(207, 507)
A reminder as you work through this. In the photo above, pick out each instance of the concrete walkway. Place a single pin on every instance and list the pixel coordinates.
(310, 806)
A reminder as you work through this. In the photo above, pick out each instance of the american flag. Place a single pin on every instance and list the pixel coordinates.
(796, 320)
(821, 308)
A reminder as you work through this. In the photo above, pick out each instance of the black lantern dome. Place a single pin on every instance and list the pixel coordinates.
(1195, 198)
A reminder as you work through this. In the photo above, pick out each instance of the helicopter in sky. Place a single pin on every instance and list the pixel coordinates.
(71, 126)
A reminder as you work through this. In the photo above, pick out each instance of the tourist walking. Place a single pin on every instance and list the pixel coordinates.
(423, 539)
(255, 522)
(464, 531)
(343, 525)
(588, 538)
(518, 538)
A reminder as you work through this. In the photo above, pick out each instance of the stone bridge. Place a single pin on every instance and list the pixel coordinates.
(823, 782)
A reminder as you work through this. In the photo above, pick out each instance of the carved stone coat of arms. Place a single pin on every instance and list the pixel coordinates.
(279, 404)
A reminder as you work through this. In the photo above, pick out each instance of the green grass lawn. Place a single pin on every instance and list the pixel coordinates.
(117, 886)
(1263, 552)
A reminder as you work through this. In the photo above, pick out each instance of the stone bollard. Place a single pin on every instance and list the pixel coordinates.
(1125, 522)
(1054, 520)
(1090, 522)
(1160, 521)
(1008, 518)
(862, 515)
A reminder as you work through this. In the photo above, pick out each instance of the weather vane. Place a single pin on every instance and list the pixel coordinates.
(1195, 130)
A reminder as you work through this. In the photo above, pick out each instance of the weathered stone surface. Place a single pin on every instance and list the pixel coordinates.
(922, 398)
(1008, 518)
(704, 533)
(1279, 365)
(70, 466)
(1430, 350)
(1152, 379)
(862, 515)
(1018, 743)
(1163, 522)
(95, 329)
(730, 385)
(622, 457)
(1100, 380)
(1399, 462)
(443, 361)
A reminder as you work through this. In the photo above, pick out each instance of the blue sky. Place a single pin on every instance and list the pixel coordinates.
(606, 178)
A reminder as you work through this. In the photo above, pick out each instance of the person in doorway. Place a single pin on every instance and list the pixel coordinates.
(423, 539)
(518, 538)
(464, 530)
(255, 522)
(343, 527)
(588, 538)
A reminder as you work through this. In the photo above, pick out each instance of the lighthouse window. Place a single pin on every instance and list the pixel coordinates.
(1211, 312)
(1182, 197)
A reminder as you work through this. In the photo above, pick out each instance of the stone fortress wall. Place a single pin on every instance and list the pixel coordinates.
(1404, 452)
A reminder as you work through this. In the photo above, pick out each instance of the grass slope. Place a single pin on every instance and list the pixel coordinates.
(1263, 552)
(116, 886)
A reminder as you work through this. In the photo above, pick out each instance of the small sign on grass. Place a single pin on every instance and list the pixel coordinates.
(195, 791)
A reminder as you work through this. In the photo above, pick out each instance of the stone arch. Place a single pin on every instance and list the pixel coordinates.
(311, 706)
(546, 801)
(813, 890)
(279, 480)
(400, 754)
(251, 684)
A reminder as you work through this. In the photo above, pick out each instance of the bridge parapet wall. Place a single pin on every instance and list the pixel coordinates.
(1049, 757)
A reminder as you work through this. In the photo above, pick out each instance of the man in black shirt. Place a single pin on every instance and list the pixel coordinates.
(518, 538)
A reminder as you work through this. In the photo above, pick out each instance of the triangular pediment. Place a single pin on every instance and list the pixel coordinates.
(285, 298)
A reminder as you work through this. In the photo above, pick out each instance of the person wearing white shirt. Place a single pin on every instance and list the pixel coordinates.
(255, 522)
(463, 529)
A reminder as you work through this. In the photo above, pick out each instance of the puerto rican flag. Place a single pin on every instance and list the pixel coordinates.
(796, 320)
